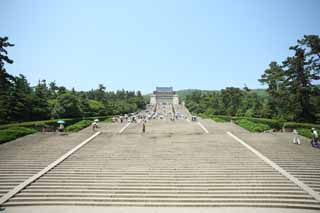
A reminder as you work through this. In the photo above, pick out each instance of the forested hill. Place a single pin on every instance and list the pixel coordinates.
(185, 92)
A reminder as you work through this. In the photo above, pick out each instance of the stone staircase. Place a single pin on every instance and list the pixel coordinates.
(302, 161)
(172, 164)
(26, 156)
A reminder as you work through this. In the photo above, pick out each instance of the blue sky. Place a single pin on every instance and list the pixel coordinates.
(138, 45)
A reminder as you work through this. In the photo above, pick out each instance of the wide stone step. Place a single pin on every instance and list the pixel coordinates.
(102, 172)
(167, 188)
(164, 195)
(180, 199)
(178, 178)
(138, 184)
(173, 191)
(151, 182)
(166, 204)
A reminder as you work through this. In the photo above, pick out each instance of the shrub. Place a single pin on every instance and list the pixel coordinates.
(273, 123)
(202, 115)
(14, 133)
(78, 126)
(221, 118)
(293, 125)
(251, 126)
(107, 119)
(304, 132)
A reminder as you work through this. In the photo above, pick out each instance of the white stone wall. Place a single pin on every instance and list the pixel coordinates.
(153, 100)
(175, 100)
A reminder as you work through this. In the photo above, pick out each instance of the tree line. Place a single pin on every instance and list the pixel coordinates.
(292, 87)
(21, 102)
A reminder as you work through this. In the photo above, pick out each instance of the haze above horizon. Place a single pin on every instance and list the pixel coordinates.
(138, 45)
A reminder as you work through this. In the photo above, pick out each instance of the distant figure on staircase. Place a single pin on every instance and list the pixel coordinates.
(94, 126)
(296, 139)
(61, 128)
(315, 138)
(143, 127)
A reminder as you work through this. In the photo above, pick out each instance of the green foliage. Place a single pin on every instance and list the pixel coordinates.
(251, 126)
(221, 118)
(107, 119)
(229, 102)
(293, 94)
(14, 132)
(293, 125)
(96, 107)
(186, 92)
(305, 132)
(67, 106)
(78, 126)
(272, 123)
(6, 81)
(38, 125)
(40, 104)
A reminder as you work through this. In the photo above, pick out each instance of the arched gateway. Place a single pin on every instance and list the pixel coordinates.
(164, 95)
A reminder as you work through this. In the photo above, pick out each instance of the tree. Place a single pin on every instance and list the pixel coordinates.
(6, 81)
(299, 83)
(53, 89)
(40, 105)
(274, 76)
(21, 100)
(67, 106)
(311, 45)
(231, 98)
(291, 85)
(4, 43)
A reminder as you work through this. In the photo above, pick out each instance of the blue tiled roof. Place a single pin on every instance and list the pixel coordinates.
(164, 89)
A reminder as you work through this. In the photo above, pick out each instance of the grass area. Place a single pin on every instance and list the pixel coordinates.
(53, 122)
(221, 118)
(39, 124)
(85, 123)
(78, 126)
(216, 118)
(252, 126)
(273, 123)
(107, 120)
(14, 133)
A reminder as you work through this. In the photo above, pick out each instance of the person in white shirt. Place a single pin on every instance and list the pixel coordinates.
(315, 138)
(296, 139)
(94, 126)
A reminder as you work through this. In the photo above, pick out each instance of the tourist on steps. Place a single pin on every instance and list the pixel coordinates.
(94, 126)
(61, 128)
(143, 127)
(315, 138)
(296, 139)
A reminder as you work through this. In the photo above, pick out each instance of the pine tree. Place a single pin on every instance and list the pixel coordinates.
(6, 81)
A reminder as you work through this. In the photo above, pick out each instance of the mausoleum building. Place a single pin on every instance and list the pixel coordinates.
(164, 95)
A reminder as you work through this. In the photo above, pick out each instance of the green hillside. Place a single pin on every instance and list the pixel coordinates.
(183, 93)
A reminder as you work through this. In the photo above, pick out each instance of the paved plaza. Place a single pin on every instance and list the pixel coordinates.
(175, 166)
